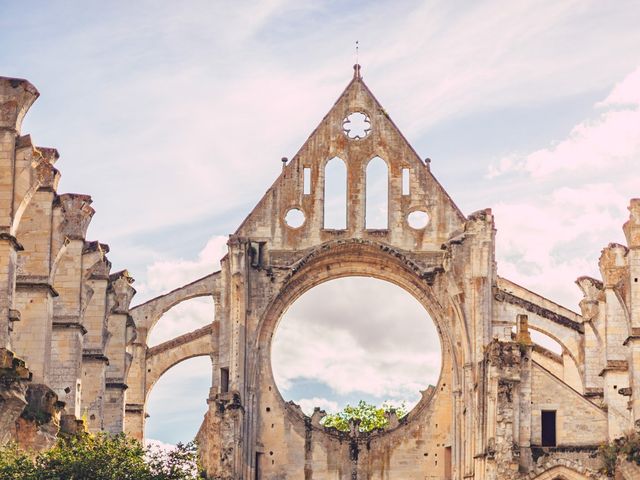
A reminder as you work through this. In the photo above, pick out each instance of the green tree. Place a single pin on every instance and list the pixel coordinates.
(99, 457)
(369, 416)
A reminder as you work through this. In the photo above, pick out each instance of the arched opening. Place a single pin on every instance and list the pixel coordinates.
(543, 340)
(352, 339)
(185, 317)
(177, 402)
(335, 194)
(377, 194)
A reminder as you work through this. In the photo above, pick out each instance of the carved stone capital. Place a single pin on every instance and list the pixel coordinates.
(632, 227)
(613, 263)
(592, 291)
(120, 292)
(77, 213)
(480, 222)
(16, 97)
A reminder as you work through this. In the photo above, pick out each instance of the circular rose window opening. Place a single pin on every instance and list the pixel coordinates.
(294, 218)
(418, 219)
(357, 125)
(355, 339)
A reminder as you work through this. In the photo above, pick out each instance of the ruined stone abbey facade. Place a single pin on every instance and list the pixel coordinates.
(74, 353)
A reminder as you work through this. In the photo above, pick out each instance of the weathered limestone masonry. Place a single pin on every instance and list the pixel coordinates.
(64, 323)
(503, 408)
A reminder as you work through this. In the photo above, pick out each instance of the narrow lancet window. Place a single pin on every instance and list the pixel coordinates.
(405, 182)
(548, 428)
(306, 181)
(335, 194)
(377, 194)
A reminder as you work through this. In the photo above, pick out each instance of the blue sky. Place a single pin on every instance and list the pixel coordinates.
(174, 117)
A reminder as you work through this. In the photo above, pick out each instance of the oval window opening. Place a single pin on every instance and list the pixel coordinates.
(355, 339)
(294, 218)
(418, 219)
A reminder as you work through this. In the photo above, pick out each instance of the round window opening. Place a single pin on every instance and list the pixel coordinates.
(294, 218)
(357, 125)
(355, 341)
(418, 219)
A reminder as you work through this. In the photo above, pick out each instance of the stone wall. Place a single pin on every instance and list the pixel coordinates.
(55, 321)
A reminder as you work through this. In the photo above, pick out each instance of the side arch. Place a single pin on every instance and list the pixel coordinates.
(147, 314)
(168, 354)
(561, 472)
(560, 324)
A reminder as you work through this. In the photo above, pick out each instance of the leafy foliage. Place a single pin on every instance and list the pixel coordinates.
(99, 457)
(370, 417)
(628, 447)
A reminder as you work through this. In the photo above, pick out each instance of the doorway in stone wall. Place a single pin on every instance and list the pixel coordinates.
(353, 339)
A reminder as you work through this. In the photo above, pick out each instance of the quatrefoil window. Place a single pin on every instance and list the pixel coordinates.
(357, 125)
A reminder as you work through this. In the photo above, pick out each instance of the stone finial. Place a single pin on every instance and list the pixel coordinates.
(317, 416)
(522, 330)
(592, 291)
(16, 97)
(48, 176)
(479, 221)
(98, 265)
(76, 214)
(120, 291)
(49, 154)
(632, 227)
(357, 71)
(613, 264)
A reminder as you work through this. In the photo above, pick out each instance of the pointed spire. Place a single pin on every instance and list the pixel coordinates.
(356, 71)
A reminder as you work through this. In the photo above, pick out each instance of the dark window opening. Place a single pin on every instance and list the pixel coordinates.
(255, 253)
(224, 380)
(549, 428)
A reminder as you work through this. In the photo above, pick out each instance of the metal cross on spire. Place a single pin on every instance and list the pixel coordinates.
(356, 67)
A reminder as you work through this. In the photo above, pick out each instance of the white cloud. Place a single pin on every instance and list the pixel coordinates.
(571, 198)
(159, 445)
(625, 93)
(358, 335)
(308, 404)
(608, 140)
(167, 274)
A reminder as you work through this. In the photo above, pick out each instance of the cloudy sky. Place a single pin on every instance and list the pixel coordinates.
(174, 117)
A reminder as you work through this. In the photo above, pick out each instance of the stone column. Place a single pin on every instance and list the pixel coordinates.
(616, 369)
(16, 97)
(504, 360)
(632, 233)
(234, 400)
(120, 294)
(96, 269)
(523, 339)
(592, 290)
(73, 214)
(34, 292)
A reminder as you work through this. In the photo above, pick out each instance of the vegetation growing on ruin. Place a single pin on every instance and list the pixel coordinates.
(627, 447)
(100, 457)
(370, 417)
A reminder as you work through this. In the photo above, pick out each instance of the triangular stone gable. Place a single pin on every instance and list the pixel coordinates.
(267, 221)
